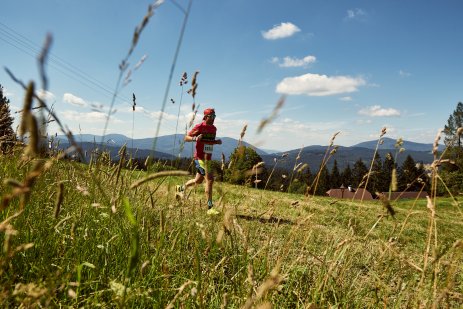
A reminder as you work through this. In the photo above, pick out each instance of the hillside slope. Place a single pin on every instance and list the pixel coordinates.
(86, 234)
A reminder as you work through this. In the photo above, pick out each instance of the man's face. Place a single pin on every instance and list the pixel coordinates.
(210, 118)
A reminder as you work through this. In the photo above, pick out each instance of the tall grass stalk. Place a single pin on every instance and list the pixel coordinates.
(296, 165)
(171, 73)
(329, 152)
(183, 81)
(124, 63)
(383, 132)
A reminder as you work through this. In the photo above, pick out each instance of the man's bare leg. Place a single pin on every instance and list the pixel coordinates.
(209, 183)
(195, 181)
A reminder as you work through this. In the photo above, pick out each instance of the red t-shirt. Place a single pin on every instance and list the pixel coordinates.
(204, 147)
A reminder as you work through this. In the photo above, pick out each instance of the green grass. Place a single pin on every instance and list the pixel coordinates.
(112, 246)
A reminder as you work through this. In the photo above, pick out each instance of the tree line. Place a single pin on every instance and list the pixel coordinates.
(410, 176)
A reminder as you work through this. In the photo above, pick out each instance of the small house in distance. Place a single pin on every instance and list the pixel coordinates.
(350, 193)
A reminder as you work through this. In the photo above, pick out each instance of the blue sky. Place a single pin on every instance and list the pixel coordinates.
(348, 66)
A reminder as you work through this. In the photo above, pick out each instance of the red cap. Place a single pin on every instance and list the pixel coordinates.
(208, 111)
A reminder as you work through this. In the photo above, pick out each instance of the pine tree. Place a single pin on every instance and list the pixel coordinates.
(376, 182)
(346, 176)
(454, 122)
(408, 175)
(307, 176)
(323, 183)
(335, 177)
(358, 173)
(301, 180)
(6, 121)
(454, 151)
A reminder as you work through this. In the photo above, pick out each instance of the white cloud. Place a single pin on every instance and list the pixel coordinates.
(74, 100)
(289, 62)
(346, 99)
(363, 121)
(292, 134)
(281, 31)
(138, 109)
(46, 95)
(89, 117)
(165, 116)
(355, 14)
(7, 93)
(319, 85)
(403, 73)
(378, 111)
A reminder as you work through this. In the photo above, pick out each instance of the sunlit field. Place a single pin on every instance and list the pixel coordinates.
(110, 234)
(103, 235)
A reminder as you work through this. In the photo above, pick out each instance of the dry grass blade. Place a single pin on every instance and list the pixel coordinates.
(270, 283)
(180, 291)
(139, 29)
(435, 146)
(51, 113)
(264, 122)
(59, 199)
(171, 73)
(222, 162)
(383, 132)
(14, 183)
(5, 224)
(34, 136)
(158, 175)
(194, 85)
(42, 59)
(26, 111)
(333, 138)
(386, 204)
(243, 132)
(394, 182)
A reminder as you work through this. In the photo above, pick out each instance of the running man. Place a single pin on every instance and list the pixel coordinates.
(204, 135)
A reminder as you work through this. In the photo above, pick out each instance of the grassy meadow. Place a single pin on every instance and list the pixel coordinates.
(101, 235)
(104, 235)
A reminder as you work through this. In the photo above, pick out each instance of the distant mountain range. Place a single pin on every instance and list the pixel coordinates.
(389, 143)
(168, 147)
(313, 155)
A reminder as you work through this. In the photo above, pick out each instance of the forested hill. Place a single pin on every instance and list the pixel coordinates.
(313, 156)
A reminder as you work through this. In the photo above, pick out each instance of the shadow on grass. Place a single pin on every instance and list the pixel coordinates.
(266, 220)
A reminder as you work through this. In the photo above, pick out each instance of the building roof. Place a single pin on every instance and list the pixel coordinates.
(356, 195)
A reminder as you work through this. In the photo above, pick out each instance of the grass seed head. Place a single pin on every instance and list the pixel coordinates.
(386, 203)
(243, 131)
(59, 199)
(383, 132)
(28, 100)
(394, 180)
(435, 146)
(333, 138)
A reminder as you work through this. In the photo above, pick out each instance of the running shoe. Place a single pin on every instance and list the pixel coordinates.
(213, 212)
